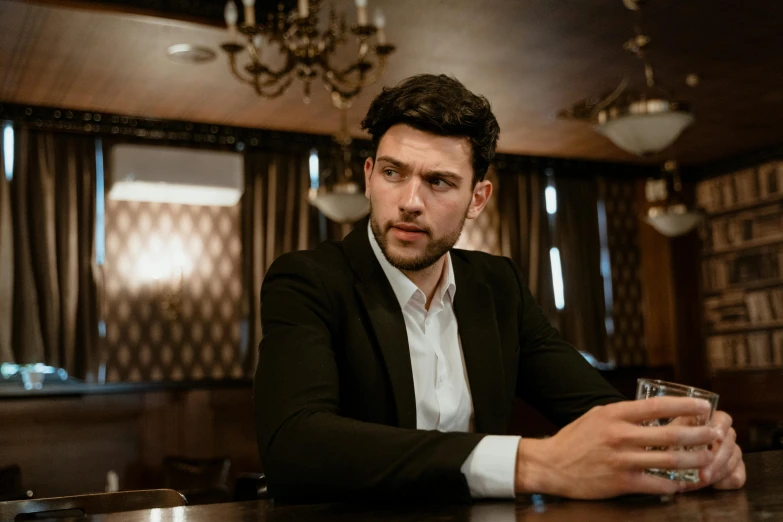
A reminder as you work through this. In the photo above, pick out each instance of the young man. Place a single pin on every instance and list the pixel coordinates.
(390, 361)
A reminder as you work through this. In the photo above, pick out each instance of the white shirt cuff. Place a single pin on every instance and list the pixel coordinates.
(490, 467)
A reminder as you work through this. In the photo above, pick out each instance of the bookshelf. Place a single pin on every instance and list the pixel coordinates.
(742, 267)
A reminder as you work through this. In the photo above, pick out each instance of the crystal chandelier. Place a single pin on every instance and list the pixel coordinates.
(642, 123)
(307, 54)
(342, 200)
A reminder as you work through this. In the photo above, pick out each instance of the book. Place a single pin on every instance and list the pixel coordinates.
(719, 354)
(777, 348)
(768, 181)
(740, 350)
(758, 350)
(776, 302)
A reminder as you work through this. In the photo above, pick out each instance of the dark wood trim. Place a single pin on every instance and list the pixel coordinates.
(572, 167)
(204, 12)
(123, 127)
(131, 128)
(717, 168)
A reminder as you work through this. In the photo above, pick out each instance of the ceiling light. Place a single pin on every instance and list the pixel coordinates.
(187, 53)
(342, 200)
(642, 123)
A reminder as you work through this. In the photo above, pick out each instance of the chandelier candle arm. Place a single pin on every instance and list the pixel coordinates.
(380, 23)
(361, 13)
(231, 15)
(250, 13)
(303, 9)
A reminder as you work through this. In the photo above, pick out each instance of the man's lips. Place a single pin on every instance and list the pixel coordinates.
(407, 232)
(408, 227)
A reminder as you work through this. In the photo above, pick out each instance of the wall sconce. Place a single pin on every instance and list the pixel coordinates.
(170, 294)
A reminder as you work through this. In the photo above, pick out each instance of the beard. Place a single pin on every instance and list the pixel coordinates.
(434, 250)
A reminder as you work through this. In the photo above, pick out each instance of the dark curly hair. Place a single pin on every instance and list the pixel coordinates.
(438, 105)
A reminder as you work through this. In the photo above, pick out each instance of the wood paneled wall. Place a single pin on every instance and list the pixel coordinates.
(66, 445)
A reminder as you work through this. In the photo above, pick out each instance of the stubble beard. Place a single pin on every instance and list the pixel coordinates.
(434, 250)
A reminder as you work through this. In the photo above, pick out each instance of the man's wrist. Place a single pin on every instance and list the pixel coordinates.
(531, 468)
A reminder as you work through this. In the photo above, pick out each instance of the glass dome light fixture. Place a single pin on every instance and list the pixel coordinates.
(343, 199)
(641, 123)
(668, 214)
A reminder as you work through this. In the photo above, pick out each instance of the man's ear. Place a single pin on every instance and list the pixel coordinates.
(481, 194)
(368, 166)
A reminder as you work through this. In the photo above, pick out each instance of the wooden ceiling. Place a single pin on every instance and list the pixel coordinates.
(529, 57)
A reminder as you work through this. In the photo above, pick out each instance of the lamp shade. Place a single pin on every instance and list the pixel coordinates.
(643, 134)
(673, 224)
(343, 203)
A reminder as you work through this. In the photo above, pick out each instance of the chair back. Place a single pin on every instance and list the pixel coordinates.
(92, 504)
(202, 481)
(11, 484)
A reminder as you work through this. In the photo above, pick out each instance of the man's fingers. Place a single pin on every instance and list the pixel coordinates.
(658, 408)
(721, 466)
(671, 435)
(736, 477)
(722, 422)
(671, 459)
(640, 482)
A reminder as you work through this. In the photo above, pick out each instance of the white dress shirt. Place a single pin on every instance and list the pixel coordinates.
(440, 381)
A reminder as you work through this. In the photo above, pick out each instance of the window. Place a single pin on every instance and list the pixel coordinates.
(314, 169)
(8, 150)
(550, 197)
(557, 277)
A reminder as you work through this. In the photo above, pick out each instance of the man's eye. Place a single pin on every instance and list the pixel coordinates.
(439, 183)
(389, 173)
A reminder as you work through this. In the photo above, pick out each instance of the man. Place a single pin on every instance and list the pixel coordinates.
(390, 361)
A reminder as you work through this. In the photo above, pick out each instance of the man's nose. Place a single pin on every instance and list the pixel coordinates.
(411, 197)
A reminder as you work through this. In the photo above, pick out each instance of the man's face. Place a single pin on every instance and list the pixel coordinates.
(420, 188)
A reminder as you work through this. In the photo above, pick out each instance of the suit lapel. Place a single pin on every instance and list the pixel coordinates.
(478, 331)
(387, 321)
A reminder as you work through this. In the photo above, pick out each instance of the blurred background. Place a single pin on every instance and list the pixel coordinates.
(157, 156)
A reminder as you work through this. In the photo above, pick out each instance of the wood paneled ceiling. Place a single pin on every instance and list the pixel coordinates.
(529, 57)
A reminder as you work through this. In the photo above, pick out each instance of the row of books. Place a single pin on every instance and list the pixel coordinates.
(754, 350)
(742, 187)
(738, 309)
(747, 228)
(742, 268)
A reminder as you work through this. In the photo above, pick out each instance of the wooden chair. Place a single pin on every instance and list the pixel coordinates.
(250, 486)
(11, 484)
(201, 481)
(92, 504)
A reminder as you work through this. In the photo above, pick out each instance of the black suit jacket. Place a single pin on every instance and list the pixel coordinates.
(335, 403)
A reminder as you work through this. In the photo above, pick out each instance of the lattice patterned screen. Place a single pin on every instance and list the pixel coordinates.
(626, 344)
(185, 257)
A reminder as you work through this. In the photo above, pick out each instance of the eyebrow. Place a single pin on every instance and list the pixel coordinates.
(402, 165)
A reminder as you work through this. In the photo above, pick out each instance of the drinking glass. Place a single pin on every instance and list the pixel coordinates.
(648, 388)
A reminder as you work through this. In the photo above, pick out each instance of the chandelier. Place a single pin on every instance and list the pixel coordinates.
(668, 213)
(341, 199)
(306, 53)
(642, 123)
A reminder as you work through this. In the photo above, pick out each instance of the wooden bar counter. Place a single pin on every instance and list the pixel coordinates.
(761, 499)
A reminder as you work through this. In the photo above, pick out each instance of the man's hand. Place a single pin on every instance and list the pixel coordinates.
(603, 453)
(727, 470)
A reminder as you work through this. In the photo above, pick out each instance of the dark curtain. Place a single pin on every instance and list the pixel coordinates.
(524, 230)
(577, 236)
(53, 309)
(276, 218)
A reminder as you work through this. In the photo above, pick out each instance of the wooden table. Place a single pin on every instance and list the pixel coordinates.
(761, 499)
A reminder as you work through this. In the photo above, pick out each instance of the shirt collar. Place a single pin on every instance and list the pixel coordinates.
(404, 288)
